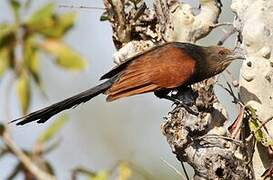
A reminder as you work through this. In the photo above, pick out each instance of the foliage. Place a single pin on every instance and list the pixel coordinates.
(255, 127)
(122, 172)
(40, 148)
(22, 41)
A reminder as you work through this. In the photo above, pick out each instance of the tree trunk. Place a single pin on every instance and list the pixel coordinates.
(204, 141)
(254, 21)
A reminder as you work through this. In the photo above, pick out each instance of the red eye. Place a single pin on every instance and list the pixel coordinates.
(222, 52)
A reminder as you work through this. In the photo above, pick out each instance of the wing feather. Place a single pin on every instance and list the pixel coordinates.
(163, 68)
(130, 82)
(133, 91)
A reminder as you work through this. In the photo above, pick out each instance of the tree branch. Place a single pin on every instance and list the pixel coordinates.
(254, 23)
(26, 161)
(171, 20)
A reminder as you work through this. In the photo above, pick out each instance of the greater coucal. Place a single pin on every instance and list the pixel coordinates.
(161, 69)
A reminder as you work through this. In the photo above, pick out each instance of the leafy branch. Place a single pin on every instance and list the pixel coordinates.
(22, 42)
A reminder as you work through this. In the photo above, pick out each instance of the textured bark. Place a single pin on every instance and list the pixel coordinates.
(254, 21)
(203, 141)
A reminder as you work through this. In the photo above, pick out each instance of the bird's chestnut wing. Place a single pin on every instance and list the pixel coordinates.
(164, 67)
(117, 69)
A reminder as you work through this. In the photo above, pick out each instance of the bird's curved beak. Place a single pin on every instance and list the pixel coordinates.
(236, 56)
(238, 53)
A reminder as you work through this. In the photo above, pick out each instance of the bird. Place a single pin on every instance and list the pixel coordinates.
(161, 69)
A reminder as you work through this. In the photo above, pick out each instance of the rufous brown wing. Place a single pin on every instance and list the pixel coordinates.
(164, 68)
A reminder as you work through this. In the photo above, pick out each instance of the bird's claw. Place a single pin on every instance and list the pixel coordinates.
(182, 104)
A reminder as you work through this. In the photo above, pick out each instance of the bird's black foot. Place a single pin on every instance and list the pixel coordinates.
(163, 94)
(181, 103)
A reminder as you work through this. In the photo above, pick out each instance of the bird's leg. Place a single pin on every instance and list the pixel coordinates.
(164, 94)
(181, 103)
(186, 94)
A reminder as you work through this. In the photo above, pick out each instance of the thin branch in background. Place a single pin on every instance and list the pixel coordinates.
(178, 172)
(25, 160)
(207, 136)
(14, 172)
(139, 12)
(80, 7)
(235, 127)
(221, 24)
(185, 171)
(236, 100)
(226, 36)
(262, 125)
(81, 170)
(252, 150)
(3, 151)
(52, 146)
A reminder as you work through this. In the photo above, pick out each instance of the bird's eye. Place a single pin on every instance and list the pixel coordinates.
(222, 52)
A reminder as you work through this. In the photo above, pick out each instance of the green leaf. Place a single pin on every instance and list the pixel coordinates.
(15, 5)
(84, 171)
(53, 129)
(42, 14)
(7, 35)
(42, 18)
(49, 24)
(104, 16)
(65, 56)
(67, 19)
(61, 24)
(124, 171)
(107, 15)
(4, 60)
(101, 175)
(23, 92)
(49, 168)
(30, 54)
(254, 125)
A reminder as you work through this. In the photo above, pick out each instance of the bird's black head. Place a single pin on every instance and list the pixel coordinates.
(216, 59)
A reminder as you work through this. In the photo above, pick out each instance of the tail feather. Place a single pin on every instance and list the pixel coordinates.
(44, 114)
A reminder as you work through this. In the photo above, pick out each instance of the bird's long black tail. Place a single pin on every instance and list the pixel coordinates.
(44, 114)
